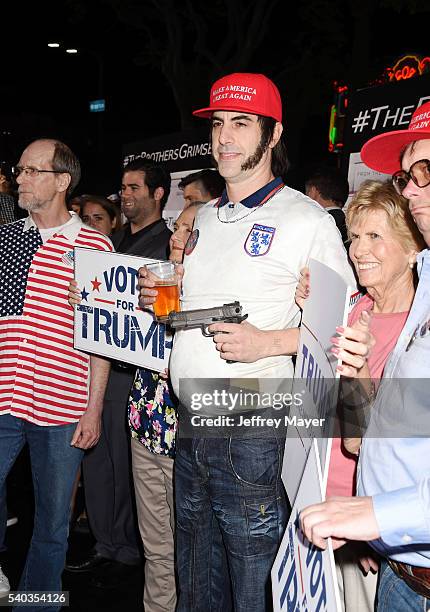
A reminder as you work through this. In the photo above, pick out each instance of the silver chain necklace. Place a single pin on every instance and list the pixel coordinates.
(264, 201)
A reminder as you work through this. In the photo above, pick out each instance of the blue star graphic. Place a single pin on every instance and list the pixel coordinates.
(84, 294)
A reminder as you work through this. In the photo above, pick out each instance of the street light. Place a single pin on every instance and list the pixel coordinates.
(97, 55)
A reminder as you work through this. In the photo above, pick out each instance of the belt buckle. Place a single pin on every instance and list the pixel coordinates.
(395, 567)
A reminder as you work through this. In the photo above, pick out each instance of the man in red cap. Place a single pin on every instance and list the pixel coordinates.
(249, 245)
(393, 512)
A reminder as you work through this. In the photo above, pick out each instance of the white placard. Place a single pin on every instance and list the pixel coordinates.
(303, 576)
(109, 321)
(358, 172)
(175, 203)
(315, 374)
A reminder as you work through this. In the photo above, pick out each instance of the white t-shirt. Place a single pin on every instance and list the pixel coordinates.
(254, 256)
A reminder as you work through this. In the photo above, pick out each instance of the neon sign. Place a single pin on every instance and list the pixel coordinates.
(407, 67)
(337, 117)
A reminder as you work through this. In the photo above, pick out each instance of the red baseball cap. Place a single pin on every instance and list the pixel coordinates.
(244, 92)
(382, 153)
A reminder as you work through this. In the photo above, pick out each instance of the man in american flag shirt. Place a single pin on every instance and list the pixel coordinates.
(50, 394)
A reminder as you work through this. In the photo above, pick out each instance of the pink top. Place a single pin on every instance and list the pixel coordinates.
(386, 328)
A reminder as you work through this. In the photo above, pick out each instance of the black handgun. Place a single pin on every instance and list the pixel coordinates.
(203, 317)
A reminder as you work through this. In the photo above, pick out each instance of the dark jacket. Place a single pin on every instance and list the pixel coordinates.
(154, 243)
(339, 217)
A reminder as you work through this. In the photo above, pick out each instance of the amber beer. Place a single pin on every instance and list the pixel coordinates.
(167, 298)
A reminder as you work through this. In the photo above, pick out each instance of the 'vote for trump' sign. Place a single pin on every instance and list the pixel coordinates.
(109, 320)
(303, 576)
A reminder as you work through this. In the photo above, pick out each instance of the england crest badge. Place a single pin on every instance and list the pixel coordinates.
(259, 240)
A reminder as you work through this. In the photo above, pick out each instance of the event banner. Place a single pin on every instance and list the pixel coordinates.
(109, 321)
(303, 576)
(373, 111)
(181, 153)
(315, 376)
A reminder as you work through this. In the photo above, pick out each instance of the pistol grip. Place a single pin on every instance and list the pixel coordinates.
(206, 332)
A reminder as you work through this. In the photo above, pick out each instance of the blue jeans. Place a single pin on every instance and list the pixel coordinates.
(54, 465)
(3, 517)
(231, 514)
(394, 595)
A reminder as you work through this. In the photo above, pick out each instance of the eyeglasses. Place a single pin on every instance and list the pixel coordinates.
(31, 172)
(419, 173)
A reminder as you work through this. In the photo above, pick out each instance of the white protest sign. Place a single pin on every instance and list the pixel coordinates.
(358, 172)
(109, 321)
(303, 576)
(315, 374)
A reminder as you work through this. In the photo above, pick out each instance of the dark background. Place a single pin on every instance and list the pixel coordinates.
(154, 61)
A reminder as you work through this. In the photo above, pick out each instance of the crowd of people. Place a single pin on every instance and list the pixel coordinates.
(210, 511)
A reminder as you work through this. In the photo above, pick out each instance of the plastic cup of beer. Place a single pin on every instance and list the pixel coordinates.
(166, 283)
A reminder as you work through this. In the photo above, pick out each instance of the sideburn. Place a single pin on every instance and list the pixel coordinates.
(254, 159)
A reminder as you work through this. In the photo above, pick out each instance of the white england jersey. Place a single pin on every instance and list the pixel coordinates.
(255, 257)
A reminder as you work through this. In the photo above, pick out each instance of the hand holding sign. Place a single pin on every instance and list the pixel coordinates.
(353, 347)
(74, 294)
(303, 288)
(340, 518)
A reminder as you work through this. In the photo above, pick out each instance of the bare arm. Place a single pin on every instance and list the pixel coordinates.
(87, 431)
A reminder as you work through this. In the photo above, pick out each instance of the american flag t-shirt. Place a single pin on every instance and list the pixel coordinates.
(43, 379)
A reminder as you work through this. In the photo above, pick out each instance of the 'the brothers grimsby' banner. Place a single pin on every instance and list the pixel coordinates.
(181, 153)
(376, 110)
